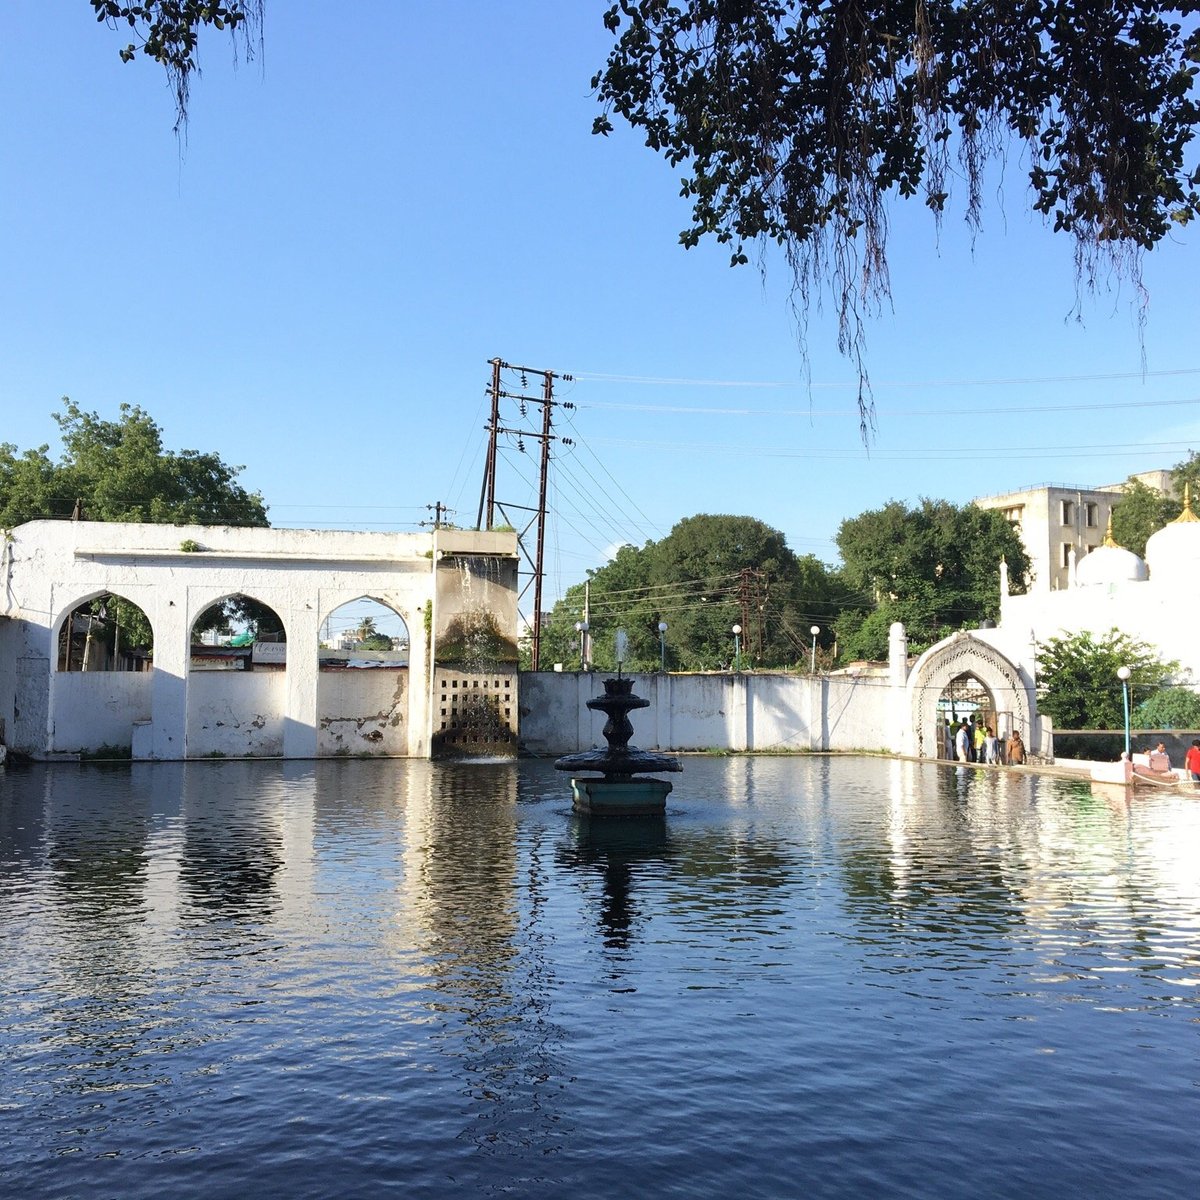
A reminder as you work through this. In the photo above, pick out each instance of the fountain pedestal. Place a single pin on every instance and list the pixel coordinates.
(618, 791)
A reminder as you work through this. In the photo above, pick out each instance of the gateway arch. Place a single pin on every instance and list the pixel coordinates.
(959, 658)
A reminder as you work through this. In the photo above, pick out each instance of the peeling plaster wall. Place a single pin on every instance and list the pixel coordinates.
(701, 712)
(97, 708)
(238, 714)
(362, 712)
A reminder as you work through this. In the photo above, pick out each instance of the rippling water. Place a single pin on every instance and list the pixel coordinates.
(819, 977)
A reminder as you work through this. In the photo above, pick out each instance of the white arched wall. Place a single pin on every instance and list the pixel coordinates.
(958, 655)
(50, 567)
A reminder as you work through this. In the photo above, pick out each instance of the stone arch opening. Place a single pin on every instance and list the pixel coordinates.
(363, 634)
(363, 692)
(237, 633)
(104, 632)
(101, 676)
(964, 675)
(237, 680)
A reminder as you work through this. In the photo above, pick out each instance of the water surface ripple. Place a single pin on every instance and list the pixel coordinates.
(818, 977)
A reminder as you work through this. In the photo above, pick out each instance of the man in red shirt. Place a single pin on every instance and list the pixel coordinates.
(1192, 762)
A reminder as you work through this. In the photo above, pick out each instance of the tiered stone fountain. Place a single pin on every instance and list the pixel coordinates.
(618, 791)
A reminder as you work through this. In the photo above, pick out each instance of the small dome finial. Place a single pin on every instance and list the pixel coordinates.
(1109, 540)
(1187, 516)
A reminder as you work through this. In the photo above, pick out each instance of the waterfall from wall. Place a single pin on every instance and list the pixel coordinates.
(475, 658)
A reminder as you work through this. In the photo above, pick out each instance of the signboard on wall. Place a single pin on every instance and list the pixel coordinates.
(270, 652)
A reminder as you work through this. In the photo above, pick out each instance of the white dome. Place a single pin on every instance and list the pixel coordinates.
(1110, 563)
(1173, 553)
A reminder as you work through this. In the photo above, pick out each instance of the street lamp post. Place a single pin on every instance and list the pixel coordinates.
(814, 630)
(581, 628)
(737, 647)
(1123, 674)
(662, 646)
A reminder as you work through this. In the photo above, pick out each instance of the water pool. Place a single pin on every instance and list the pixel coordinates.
(821, 977)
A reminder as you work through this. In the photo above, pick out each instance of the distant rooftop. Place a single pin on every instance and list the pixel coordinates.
(1156, 478)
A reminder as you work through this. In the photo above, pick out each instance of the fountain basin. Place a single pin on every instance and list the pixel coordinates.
(620, 796)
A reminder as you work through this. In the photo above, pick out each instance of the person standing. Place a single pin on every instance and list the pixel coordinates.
(962, 743)
(1192, 761)
(1016, 749)
(991, 752)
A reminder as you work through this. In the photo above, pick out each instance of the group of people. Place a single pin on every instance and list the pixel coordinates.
(973, 741)
(1160, 761)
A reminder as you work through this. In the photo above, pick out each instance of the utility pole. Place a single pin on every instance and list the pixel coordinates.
(487, 497)
(489, 504)
(752, 604)
(439, 510)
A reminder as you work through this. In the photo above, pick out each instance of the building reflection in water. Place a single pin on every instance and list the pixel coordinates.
(470, 920)
(232, 846)
(85, 945)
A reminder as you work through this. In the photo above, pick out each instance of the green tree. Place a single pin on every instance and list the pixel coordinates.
(1141, 511)
(710, 573)
(934, 567)
(1078, 686)
(119, 471)
(1170, 708)
(797, 121)
(1187, 473)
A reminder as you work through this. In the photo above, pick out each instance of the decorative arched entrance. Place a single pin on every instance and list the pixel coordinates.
(969, 668)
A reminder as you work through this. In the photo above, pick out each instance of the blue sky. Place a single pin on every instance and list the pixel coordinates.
(370, 211)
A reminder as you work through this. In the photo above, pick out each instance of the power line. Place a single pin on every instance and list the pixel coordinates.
(852, 385)
(959, 454)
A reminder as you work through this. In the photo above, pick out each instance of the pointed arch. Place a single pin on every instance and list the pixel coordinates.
(102, 630)
(964, 654)
(375, 623)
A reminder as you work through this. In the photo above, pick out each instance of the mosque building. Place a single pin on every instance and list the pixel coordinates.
(1153, 600)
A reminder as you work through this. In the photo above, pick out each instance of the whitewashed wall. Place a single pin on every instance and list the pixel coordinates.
(701, 712)
(48, 568)
(236, 713)
(97, 708)
(362, 712)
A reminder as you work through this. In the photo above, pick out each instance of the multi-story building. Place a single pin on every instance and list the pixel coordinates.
(1056, 519)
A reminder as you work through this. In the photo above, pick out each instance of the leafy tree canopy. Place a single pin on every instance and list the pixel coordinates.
(934, 567)
(1078, 686)
(796, 120)
(709, 574)
(119, 471)
(1144, 510)
(1186, 474)
(1172, 708)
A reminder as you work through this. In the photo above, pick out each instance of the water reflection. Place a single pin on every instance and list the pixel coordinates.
(232, 847)
(472, 908)
(617, 850)
(334, 976)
